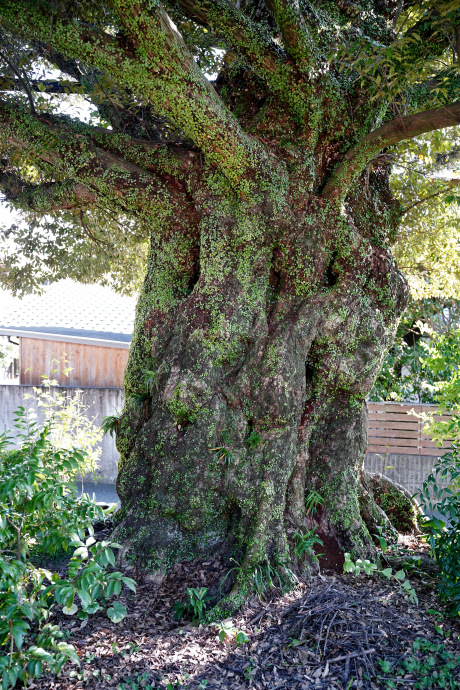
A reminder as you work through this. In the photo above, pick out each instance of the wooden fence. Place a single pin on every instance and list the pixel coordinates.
(393, 430)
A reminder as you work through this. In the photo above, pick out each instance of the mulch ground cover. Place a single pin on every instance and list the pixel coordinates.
(330, 632)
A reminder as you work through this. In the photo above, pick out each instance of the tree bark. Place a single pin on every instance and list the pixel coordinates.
(265, 338)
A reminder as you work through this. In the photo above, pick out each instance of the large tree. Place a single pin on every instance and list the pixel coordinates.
(271, 292)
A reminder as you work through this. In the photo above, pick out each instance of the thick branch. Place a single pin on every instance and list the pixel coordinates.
(249, 39)
(169, 161)
(389, 134)
(114, 181)
(51, 86)
(155, 64)
(44, 198)
(292, 27)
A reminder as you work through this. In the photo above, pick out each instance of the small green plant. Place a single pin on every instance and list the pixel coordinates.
(359, 565)
(139, 682)
(142, 400)
(253, 439)
(225, 629)
(194, 605)
(265, 576)
(110, 424)
(241, 638)
(305, 541)
(224, 455)
(39, 506)
(312, 501)
(71, 427)
(370, 568)
(239, 573)
(150, 379)
(227, 632)
(381, 539)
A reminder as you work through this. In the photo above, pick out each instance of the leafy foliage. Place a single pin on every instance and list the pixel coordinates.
(431, 663)
(422, 363)
(38, 506)
(439, 499)
(66, 416)
(370, 568)
(401, 60)
(194, 605)
(305, 541)
(424, 180)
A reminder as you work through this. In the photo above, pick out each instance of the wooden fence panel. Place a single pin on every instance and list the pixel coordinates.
(392, 429)
(92, 366)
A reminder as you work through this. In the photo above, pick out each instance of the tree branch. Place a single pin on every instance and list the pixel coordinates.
(51, 86)
(248, 38)
(451, 183)
(44, 198)
(292, 27)
(21, 79)
(152, 61)
(114, 181)
(387, 135)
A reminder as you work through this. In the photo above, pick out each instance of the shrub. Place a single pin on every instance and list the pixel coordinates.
(443, 533)
(38, 506)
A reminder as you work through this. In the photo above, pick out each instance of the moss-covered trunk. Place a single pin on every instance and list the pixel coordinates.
(256, 343)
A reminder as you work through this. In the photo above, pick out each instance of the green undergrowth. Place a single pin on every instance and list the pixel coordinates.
(427, 666)
(42, 519)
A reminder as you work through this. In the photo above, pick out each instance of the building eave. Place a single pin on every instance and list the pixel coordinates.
(77, 339)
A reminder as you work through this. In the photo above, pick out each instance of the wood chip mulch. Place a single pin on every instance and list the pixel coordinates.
(329, 632)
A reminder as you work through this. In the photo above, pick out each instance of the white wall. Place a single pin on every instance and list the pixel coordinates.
(101, 401)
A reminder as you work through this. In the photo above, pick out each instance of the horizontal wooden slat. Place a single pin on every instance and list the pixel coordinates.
(393, 430)
(435, 452)
(390, 424)
(398, 450)
(396, 417)
(409, 442)
(393, 433)
(427, 443)
(397, 408)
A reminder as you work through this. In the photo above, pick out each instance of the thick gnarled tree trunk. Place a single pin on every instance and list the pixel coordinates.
(271, 294)
(266, 335)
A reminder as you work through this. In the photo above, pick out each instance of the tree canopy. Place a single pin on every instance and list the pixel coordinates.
(107, 62)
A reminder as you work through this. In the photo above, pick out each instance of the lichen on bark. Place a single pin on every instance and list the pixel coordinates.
(271, 293)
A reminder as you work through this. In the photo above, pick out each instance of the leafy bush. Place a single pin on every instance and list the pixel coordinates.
(443, 533)
(70, 427)
(38, 506)
(370, 568)
(305, 541)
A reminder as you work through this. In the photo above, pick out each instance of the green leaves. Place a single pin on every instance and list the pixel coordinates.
(195, 604)
(305, 541)
(370, 568)
(116, 612)
(439, 496)
(39, 506)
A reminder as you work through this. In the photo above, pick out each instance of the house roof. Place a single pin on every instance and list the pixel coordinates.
(70, 312)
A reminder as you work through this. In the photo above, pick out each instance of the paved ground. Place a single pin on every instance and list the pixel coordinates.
(105, 493)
